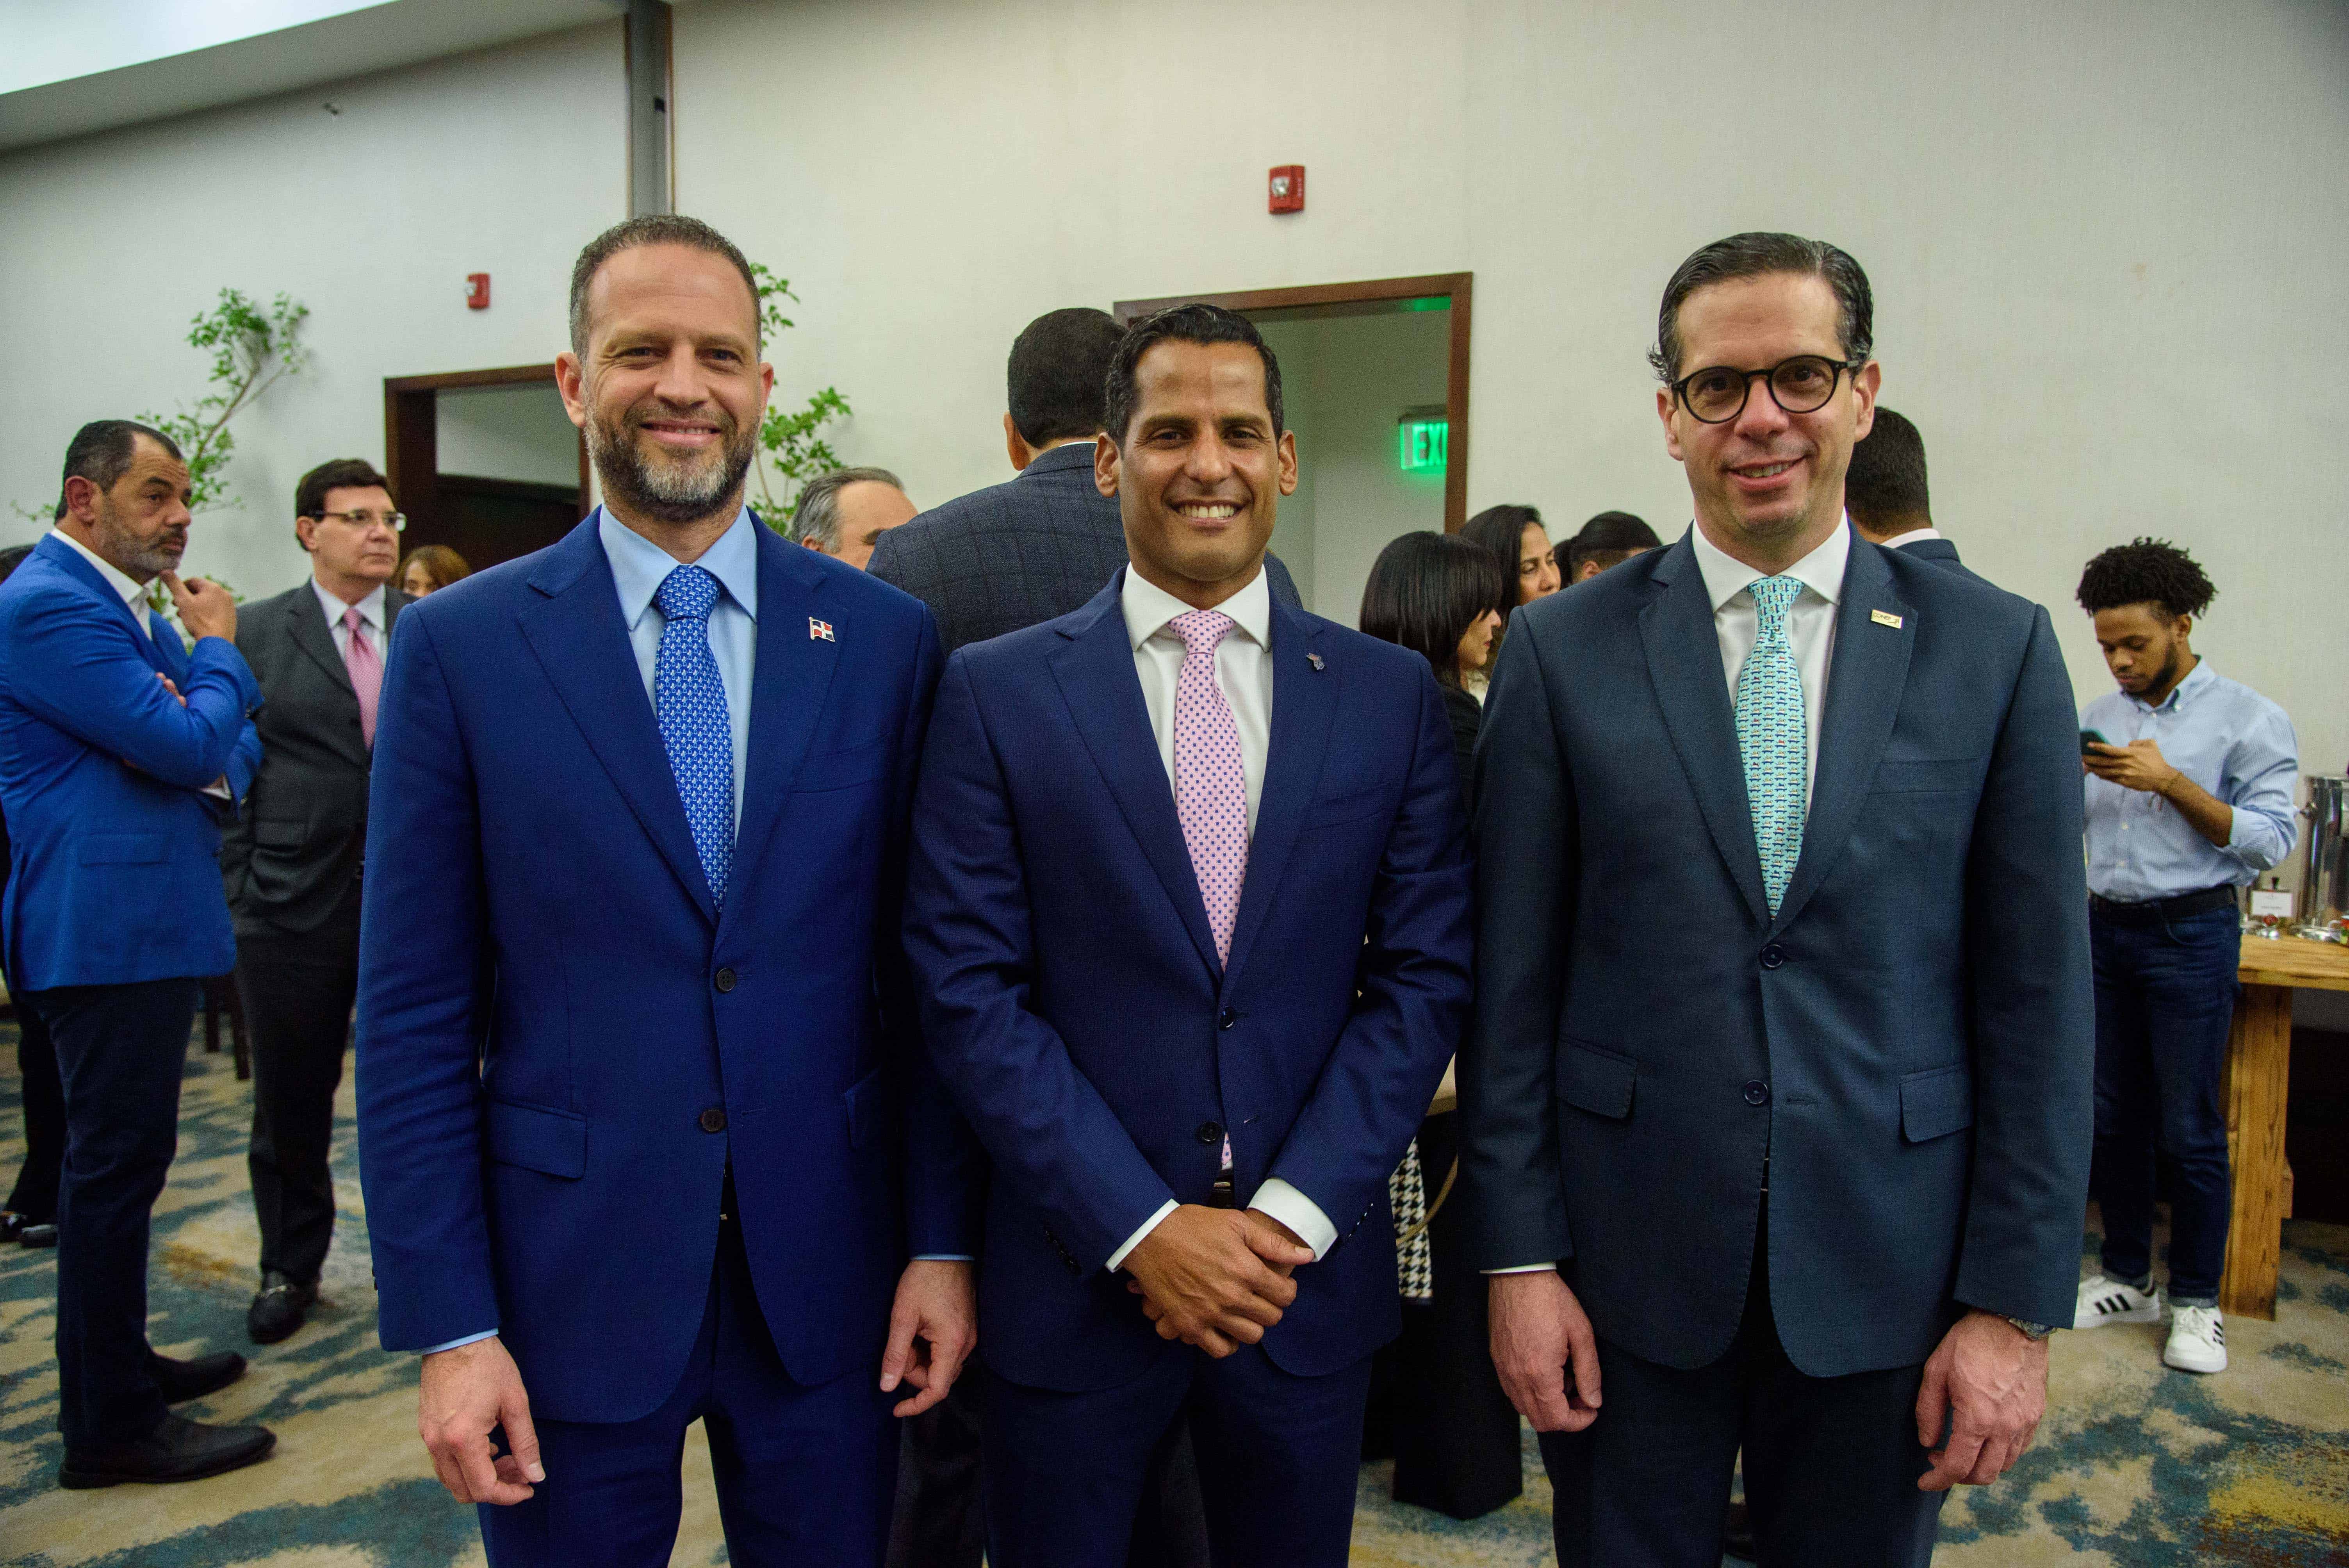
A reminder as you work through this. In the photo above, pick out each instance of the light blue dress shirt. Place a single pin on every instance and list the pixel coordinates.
(2232, 741)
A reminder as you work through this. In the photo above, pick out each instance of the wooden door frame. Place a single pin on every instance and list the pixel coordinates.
(1332, 299)
(411, 430)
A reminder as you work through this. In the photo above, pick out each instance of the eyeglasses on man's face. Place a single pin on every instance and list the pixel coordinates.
(1717, 393)
(395, 520)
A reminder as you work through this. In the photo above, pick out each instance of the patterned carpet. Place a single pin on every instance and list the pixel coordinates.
(2137, 1467)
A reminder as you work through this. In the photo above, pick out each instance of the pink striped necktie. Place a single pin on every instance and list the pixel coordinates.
(366, 668)
(1210, 787)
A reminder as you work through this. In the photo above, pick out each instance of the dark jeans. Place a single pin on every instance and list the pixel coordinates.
(120, 1051)
(2165, 1000)
(298, 991)
(34, 1196)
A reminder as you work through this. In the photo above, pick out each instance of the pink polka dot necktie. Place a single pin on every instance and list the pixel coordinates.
(1210, 789)
(366, 670)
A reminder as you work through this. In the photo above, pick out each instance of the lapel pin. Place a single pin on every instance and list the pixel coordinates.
(1315, 660)
(1885, 618)
(821, 631)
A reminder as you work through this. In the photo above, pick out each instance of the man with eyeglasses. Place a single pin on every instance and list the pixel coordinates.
(293, 861)
(1777, 1110)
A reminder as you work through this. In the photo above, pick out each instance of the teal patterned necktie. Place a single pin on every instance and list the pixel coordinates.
(1773, 735)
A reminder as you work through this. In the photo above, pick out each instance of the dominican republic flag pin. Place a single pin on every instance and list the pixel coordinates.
(1314, 659)
(820, 630)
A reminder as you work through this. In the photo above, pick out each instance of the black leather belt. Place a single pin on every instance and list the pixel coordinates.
(2154, 910)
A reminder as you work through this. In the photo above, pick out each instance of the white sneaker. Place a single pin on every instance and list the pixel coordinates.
(2198, 1340)
(2104, 1301)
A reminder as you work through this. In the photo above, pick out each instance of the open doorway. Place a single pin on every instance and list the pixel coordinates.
(1374, 376)
(484, 461)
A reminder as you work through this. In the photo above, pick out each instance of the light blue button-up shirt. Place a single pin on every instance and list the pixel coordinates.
(2232, 741)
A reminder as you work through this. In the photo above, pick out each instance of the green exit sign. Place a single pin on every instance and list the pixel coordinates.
(1422, 441)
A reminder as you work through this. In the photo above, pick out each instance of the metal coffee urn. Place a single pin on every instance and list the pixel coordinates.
(2325, 875)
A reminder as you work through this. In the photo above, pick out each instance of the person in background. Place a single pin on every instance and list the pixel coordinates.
(2189, 798)
(121, 749)
(31, 1217)
(845, 513)
(292, 862)
(429, 568)
(1886, 497)
(1515, 536)
(1610, 539)
(1437, 1406)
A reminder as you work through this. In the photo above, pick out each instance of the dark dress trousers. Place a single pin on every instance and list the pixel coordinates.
(291, 868)
(41, 1097)
(1777, 1156)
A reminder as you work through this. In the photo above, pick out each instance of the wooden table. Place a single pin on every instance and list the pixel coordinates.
(2259, 1078)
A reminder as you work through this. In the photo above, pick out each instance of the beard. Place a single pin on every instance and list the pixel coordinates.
(139, 558)
(677, 488)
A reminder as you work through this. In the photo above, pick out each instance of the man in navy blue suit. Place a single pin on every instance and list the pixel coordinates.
(643, 1122)
(122, 752)
(1777, 1098)
(1188, 908)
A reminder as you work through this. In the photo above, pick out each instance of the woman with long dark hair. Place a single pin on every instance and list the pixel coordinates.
(1443, 597)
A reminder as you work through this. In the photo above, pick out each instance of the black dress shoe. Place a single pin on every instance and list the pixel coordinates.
(1737, 1535)
(38, 1237)
(11, 1225)
(179, 1449)
(186, 1380)
(280, 1308)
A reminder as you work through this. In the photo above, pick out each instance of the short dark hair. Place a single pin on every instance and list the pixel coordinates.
(1610, 539)
(815, 515)
(1426, 590)
(336, 473)
(1182, 324)
(652, 229)
(1886, 481)
(2147, 572)
(1058, 373)
(1754, 255)
(101, 451)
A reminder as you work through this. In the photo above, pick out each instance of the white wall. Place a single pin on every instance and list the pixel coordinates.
(507, 433)
(2104, 235)
(506, 161)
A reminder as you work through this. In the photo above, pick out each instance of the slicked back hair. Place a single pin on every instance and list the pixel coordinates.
(1204, 324)
(1756, 255)
(652, 229)
(815, 516)
(101, 451)
(336, 473)
(1059, 372)
(2147, 572)
(1886, 481)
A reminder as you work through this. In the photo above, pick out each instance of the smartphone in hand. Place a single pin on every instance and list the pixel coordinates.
(2092, 738)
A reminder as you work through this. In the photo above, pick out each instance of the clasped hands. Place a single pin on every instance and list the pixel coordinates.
(1216, 1278)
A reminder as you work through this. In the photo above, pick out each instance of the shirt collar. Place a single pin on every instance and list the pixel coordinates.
(2183, 694)
(1725, 576)
(1149, 607)
(640, 566)
(369, 605)
(1914, 536)
(133, 593)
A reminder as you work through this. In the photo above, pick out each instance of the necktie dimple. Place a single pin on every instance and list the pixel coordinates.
(1210, 789)
(690, 701)
(365, 667)
(1773, 735)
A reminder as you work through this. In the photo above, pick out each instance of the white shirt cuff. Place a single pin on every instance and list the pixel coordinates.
(1298, 1213)
(468, 1339)
(1526, 1268)
(1135, 1239)
(943, 1258)
(218, 790)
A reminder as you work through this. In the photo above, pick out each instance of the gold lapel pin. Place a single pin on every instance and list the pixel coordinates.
(1885, 618)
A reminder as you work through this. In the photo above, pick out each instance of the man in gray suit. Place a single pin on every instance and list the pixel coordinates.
(292, 862)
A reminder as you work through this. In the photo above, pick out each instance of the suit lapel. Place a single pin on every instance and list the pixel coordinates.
(576, 632)
(70, 560)
(1865, 679)
(1096, 669)
(308, 619)
(790, 678)
(1304, 706)
(1683, 650)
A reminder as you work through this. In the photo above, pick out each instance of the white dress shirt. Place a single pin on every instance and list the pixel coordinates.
(1244, 675)
(370, 608)
(1914, 536)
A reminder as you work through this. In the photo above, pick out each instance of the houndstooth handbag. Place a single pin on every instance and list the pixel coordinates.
(1415, 1263)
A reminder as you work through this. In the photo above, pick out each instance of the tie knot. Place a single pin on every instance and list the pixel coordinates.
(1201, 630)
(1773, 596)
(687, 593)
(350, 617)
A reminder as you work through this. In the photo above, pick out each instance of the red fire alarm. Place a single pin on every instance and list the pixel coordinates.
(1285, 188)
(477, 291)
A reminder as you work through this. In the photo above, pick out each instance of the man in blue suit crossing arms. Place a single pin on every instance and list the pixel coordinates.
(1188, 907)
(642, 1120)
(122, 752)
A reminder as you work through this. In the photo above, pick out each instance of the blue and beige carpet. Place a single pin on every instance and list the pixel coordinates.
(2137, 1467)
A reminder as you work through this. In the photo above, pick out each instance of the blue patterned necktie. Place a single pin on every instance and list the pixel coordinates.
(690, 701)
(1774, 735)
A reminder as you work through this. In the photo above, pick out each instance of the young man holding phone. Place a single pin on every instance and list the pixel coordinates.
(2188, 780)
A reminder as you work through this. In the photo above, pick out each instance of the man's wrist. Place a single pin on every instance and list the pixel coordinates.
(2036, 1333)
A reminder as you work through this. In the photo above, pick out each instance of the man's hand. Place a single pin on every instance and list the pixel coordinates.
(1539, 1330)
(1217, 1277)
(2139, 765)
(172, 686)
(466, 1392)
(1987, 1385)
(205, 609)
(936, 1304)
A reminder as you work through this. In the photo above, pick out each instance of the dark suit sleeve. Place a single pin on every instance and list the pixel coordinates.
(2032, 1005)
(424, 988)
(76, 668)
(1413, 995)
(1525, 837)
(969, 939)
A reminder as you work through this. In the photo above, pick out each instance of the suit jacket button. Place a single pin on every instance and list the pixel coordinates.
(725, 979)
(1757, 1092)
(1227, 1017)
(713, 1120)
(1772, 956)
(1211, 1132)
